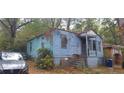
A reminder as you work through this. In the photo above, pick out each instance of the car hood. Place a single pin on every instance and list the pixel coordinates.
(6, 65)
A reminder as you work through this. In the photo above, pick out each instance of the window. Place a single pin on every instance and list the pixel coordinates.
(63, 41)
(30, 46)
(90, 44)
(94, 45)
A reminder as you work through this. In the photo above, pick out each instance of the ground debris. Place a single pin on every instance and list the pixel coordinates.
(72, 70)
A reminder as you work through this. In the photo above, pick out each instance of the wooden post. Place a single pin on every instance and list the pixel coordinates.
(96, 42)
(86, 47)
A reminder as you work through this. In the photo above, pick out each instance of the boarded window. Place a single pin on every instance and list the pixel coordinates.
(30, 46)
(64, 41)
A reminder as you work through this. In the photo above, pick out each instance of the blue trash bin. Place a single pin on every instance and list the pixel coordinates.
(109, 63)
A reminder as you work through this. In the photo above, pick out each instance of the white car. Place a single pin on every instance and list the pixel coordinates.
(12, 63)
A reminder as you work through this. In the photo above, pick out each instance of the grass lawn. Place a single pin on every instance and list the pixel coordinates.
(71, 70)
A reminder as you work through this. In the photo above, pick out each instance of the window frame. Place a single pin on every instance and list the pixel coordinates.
(91, 50)
(64, 41)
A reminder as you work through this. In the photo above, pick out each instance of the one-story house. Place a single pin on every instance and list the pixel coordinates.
(65, 44)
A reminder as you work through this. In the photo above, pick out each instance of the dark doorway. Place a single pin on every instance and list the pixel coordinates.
(83, 43)
(117, 59)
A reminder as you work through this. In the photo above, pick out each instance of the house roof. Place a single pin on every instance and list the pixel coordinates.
(89, 32)
(36, 36)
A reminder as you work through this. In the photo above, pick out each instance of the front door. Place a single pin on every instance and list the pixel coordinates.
(83, 40)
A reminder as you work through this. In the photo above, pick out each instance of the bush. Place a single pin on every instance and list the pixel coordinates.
(44, 59)
(42, 52)
(46, 63)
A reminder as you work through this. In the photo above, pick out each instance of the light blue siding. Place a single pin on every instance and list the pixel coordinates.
(99, 53)
(73, 45)
(36, 44)
(94, 61)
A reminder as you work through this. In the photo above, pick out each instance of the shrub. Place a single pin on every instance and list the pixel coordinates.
(44, 59)
(43, 52)
(46, 63)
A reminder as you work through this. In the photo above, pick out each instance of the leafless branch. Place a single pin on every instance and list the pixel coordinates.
(8, 21)
(23, 24)
(52, 22)
(4, 24)
(59, 22)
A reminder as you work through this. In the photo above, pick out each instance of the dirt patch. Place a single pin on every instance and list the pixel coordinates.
(71, 70)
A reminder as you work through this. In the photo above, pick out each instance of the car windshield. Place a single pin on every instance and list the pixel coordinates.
(11, 56)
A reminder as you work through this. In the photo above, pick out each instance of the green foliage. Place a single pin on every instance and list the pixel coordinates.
(87, 24)
(44, 59)
(5, 41)
(46, 62)
(109, 31)
(106, 27)
(42, 52)
(122, 50)
(29, 31)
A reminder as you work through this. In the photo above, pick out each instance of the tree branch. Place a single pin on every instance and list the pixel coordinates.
(58, 23)
(23, 24)
(8, 21)
(52, 22)
(4, 24)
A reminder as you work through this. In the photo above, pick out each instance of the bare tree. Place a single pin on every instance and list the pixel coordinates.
(53, 22)
(12, 25)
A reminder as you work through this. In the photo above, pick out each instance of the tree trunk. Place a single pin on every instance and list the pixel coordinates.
(120, 23)
(12, 42)
(13, 27)
(122, 36)
(68, 23)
